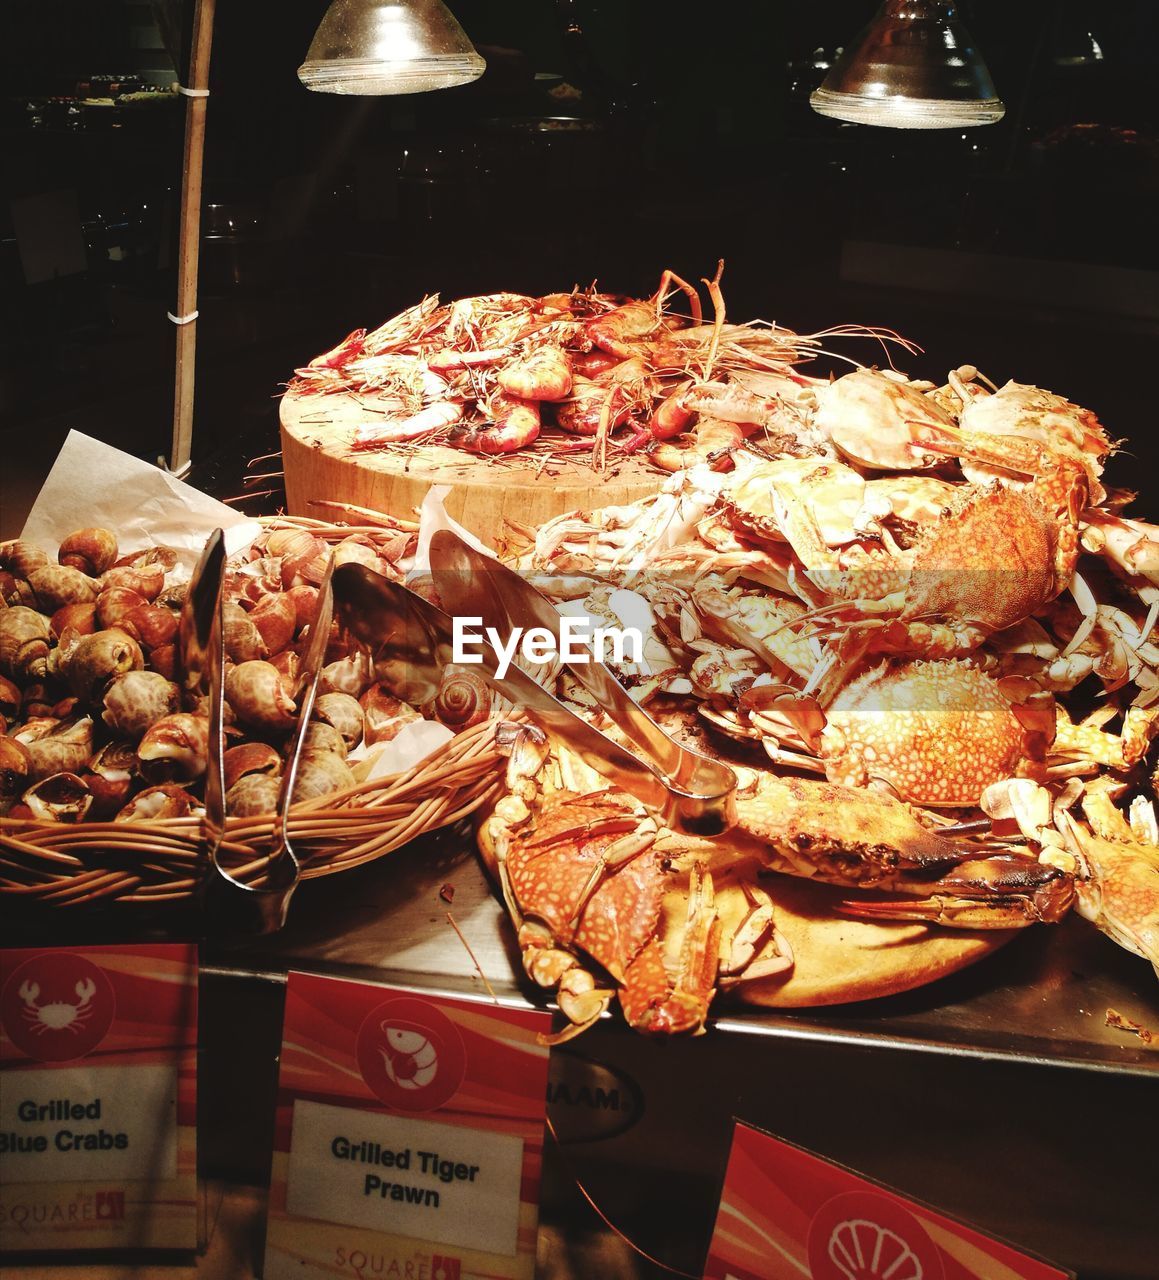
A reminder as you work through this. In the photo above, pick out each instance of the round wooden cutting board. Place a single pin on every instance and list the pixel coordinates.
(530, 488)
(838, 959)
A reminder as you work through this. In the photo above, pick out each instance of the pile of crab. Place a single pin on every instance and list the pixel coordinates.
(932, 630)
(612, 374)
(95, 722)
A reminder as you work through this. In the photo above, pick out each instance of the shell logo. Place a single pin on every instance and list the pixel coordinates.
(864, 1235)
(411, 1054)
(57, 1006)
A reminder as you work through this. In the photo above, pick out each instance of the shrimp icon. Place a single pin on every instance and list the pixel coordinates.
(409, 1059)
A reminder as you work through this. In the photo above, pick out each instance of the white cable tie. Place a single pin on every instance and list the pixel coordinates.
(193, 93)
(189, 319)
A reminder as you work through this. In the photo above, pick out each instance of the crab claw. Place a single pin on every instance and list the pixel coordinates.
(654, 1002)
(86, 988)
(984, 893)
(28, 993)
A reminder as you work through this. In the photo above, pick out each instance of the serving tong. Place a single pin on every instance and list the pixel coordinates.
(412, 641)
(234, 904)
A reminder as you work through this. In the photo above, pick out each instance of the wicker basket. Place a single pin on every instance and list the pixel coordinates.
(164, 862)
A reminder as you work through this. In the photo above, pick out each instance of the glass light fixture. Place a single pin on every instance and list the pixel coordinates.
(914, 67)
(389, 46)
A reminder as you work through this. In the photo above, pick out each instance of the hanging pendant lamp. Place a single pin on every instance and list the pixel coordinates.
(914, 67)
(389, 46)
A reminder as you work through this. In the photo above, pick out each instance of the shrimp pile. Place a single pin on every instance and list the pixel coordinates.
(576, 372)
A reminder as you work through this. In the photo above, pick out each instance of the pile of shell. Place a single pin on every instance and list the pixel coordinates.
(95, 723)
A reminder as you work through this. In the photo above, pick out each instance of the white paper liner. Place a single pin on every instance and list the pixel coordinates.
(91, 484)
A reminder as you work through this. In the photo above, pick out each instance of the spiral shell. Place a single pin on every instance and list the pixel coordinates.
(258, 697)
(66, 748)
(289, 667)
(304, 598)
(81, 618)
(24, 643)
(243, 641)
(14, 590)
(175, 748)
(352, 551)
(303, 556)
(352, 675)
(145, 579)
(151, 624)
(252, 795)
(321, 773)
(63, 797)
(113, 771)
(168, 800)
(10, 700)
(463, 699)
(276, 619)
(324, 737)
(22, 558)
(166, 557)
(344, 713)
(15, 766)
(57, 584)
(385, 715)
(114, 602)
(138, 699)
(250, 758)
(94, 660)
(164, 660)
(92, 551)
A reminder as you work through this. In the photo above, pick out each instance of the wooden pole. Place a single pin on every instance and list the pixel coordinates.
(189, 240)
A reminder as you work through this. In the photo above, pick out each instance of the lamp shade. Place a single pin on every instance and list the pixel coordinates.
(914, 67)
(389, 46)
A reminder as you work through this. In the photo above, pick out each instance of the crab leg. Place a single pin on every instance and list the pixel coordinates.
(1001, 892)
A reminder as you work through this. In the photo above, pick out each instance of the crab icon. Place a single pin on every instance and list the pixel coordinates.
(60, 1015)
(864, 1250)
(409, 1058)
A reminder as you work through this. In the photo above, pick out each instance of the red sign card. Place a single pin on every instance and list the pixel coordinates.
(409, 1135)
(785, 1213)
(98, 1098)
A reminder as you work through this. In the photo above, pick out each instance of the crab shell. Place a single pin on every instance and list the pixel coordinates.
(550, 863)
(936, 733)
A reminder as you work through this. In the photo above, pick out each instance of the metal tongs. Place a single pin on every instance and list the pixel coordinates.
(412, 641)
(234, 904)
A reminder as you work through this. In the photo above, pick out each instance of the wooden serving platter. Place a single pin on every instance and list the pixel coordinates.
(837, 959)
(530, 488)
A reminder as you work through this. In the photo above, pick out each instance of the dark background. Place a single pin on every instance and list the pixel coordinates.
(691, 138)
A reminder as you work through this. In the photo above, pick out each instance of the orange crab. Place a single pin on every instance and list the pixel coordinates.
(589, 877)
